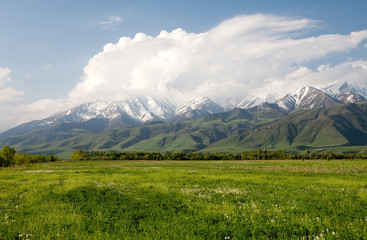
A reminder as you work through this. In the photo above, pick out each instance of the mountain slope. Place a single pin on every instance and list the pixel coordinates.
(307, 98)
(265, 126)
(341, 125)
(126, 113)
(141, 110)
(190, 135)
(309, 117)
(196, 108)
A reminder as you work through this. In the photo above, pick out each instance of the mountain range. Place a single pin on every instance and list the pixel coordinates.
(307, 118)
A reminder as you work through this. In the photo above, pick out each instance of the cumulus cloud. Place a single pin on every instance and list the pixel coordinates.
(354, 72)
(235, 59)
(9, 97)
(7, 94)
(4, 76)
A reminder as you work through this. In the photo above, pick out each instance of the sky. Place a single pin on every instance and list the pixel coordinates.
(57, 54)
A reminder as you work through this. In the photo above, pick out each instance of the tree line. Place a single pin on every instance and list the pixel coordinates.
(9, 157)
(260, 154)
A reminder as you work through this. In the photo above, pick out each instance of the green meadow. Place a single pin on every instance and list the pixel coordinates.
(184, 200)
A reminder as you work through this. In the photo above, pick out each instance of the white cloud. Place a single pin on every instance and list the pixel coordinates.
(111, 22)
(236, 58)
(7, 94)
(9, 97)
(323, 67)
(351, 72)
(4, 76)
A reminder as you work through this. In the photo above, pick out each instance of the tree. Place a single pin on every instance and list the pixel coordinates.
(78, 155)
(307, 152)
(7, 156)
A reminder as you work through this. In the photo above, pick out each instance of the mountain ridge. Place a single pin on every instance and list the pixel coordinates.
(294, 121)
(141, 110)
(266, 126)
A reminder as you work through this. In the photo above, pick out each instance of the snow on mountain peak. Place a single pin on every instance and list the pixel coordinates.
(135, 111)
(307, 98)
(197, 107)
(249, 102)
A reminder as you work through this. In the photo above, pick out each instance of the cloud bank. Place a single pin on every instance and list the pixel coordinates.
(243, 56)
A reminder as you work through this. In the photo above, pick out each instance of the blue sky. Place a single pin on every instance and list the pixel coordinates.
(46, 44)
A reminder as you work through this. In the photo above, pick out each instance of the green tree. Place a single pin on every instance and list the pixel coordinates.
(78, 155)
(7, 156)
(307, 152)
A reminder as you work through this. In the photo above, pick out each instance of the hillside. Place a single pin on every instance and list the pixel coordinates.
(265, 126)
(142, 110)
(340, 125)
(191, 135)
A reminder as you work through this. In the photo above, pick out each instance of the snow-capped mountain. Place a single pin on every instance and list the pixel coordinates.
(250, 102)
(253, 101)
(348, 92)
(307, 98)
(197, 107)
(140, 110)
(126, 113)
(137, 111)
(310, 97)
(131, 112)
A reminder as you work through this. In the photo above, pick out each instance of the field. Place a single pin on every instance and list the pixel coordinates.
(185, 200)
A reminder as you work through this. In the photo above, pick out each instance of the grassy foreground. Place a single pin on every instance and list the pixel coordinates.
(185, 200)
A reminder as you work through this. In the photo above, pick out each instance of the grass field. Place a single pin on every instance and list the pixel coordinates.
(185, 200)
